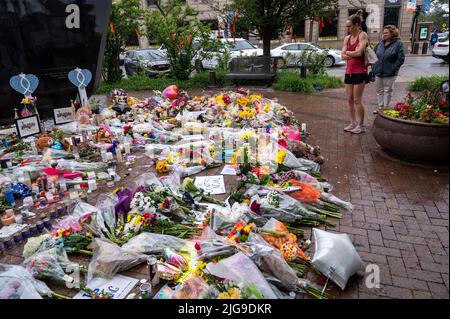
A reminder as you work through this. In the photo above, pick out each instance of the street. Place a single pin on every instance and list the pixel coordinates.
(414, 66)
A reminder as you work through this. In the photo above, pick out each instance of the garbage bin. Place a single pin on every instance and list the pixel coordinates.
(416, 48)
(425, 48)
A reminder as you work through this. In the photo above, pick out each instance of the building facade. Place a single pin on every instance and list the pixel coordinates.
(328, 29)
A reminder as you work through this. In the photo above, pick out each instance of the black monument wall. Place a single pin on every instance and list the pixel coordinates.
(34, 38)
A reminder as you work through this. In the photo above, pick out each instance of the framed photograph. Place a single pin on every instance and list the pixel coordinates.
(63, 115)
(28, 126)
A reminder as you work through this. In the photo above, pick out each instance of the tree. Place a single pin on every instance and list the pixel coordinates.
(270, 18)
(175, 25)
(125, 19)
(438, 14)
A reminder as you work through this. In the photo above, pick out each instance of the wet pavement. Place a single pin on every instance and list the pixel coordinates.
(414, 66)
(400, 220)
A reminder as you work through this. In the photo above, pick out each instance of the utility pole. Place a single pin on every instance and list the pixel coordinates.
(414, 26)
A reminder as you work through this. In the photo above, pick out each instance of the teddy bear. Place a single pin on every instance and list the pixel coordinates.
(45, 141)
(103, 135)
(300, 149)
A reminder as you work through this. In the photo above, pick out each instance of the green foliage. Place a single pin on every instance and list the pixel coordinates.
(144, 83)
(125, 15)
(270, 18)
(175, 25)
(428, 83)
(290, 81)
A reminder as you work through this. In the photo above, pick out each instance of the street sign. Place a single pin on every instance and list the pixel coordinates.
(426, 6)
(411, 6)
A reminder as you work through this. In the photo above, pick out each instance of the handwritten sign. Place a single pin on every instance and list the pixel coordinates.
(118, 287)
(213, 185)
(63, 115)
(28, 126)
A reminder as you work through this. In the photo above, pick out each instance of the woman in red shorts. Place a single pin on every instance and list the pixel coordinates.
(356, 73)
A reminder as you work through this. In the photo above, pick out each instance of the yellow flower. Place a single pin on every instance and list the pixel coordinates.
(110, 107)
(220, 100)
(162, 167)
(233, 293)
(128, 218)
(267, 108)
(281, 156)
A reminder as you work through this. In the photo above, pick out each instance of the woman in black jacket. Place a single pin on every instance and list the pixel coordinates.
(391, 56)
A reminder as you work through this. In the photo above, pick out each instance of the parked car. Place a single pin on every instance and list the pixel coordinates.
(242, 47)
(122, 57)
(440, 50)
(291, 52)
(154, 61)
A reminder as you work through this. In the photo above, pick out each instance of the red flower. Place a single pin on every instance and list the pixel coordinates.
(198, 246)
(283, 143)
(255, 207)
(226, 99)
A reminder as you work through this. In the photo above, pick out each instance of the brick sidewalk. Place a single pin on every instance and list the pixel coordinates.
(400, 221)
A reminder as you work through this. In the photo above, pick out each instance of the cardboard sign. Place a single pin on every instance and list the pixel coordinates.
(214, 185)
(118, 287)
(63, 115)
(28, 126)
(230, 170)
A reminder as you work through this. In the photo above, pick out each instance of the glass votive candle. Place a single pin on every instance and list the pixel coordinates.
(9, 243)
(61, 211)
(40, 226)
(47, 223)
(53, 214)
(17, 237)
(26, 232)
(33, 230)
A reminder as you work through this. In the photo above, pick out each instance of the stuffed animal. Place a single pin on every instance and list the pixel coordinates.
(300, 149)
(44, 142)
(103, 135)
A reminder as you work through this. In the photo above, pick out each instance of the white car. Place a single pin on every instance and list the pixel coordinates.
(291, 52)
(242, 47)
(440, 50)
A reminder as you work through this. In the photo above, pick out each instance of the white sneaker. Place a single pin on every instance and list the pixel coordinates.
(350, 127)
(358, 130)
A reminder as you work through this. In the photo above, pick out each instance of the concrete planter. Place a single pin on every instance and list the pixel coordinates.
(410, 140)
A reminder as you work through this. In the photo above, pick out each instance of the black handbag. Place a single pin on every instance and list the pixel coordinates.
(370, 77)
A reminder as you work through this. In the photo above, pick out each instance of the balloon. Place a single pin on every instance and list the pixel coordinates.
(336, 257)
(171, 92)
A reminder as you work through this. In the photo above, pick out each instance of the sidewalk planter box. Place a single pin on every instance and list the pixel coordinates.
(411, 140)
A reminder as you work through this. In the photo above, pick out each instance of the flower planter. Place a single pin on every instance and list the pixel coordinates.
(410, 140)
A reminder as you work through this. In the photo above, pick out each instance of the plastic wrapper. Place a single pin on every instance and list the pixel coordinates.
(150, 243)
(147, 179)
(241, 269)
(74, 166)
(168, 272)
(175, 259)
(188, 171)
(194, 288)
(286, 244)
(51, 155)
(110, 259)
(17, 282)
(333, 199)
(212, 245)
(106, 216)
(45, 265)
(336, 257)
(35, 244)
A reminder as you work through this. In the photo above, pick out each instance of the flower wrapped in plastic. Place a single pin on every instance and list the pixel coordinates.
(152, 243)
(241, 269)
(46, 265)
(16, 282)
(109, 259)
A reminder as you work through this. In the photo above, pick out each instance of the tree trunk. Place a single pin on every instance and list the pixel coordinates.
(266, 44)
(311, 30)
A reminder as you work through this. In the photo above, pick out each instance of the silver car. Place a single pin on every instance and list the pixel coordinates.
(153, 62)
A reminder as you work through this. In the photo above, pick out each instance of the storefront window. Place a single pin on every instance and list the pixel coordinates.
(328, 26)
(298, 30)
(391, 16)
